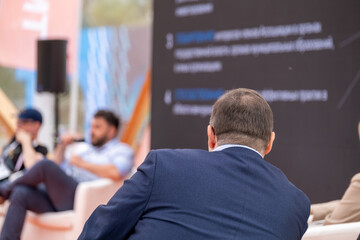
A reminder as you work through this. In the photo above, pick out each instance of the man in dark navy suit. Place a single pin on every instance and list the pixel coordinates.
(228, 192)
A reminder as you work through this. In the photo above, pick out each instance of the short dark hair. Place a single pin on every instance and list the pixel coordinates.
(111, 118)
(242, 116)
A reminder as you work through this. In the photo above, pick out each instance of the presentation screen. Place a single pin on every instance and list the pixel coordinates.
(303, 57)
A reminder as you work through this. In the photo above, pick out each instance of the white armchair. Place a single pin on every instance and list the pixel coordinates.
(68, 224)
(344, 231)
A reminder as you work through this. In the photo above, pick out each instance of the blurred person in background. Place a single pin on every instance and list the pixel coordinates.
(105, 147)
(347, 209)
(23, 151)
(48, 187)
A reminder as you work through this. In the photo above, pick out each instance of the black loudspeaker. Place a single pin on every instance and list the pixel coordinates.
(51, 66)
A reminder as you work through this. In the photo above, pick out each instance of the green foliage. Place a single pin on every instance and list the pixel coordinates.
(117, 12)
(13, 89)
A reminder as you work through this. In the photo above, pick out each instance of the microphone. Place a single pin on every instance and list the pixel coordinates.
(58, 140)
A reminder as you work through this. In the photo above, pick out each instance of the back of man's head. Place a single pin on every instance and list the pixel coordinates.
(109, 117)
(242, 116)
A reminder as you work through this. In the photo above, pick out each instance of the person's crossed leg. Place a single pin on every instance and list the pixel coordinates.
(26, 194)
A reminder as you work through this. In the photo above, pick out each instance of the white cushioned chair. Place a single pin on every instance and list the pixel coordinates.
(344, 231)
(68, 224)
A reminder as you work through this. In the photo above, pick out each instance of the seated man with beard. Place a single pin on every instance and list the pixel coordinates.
(47, 187)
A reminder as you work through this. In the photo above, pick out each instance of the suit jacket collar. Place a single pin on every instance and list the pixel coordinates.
(222, 147)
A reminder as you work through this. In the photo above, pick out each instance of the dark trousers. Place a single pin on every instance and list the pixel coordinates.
(26, 194)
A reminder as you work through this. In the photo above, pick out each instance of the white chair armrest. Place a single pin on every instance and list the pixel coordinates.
(60, 221)
(90, 195)
(345, 231)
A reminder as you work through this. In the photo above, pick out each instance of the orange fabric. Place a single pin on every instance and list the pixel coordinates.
(8, 113)
(142, 109)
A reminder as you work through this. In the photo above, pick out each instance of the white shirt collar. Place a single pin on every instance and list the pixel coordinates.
(222, 147)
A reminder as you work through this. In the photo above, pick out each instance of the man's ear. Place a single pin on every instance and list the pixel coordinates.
(270, 143)
(37, 126)
(211, 138)
(112, 132)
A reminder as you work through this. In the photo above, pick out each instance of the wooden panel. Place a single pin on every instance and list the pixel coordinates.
(8, 113)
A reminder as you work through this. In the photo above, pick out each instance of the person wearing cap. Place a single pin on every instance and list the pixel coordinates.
(23, 151)
(106, 157)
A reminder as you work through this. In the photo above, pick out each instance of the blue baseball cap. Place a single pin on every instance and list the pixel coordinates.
(30, 113)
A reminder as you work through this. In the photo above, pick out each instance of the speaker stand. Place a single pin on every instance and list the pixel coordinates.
(56, 132)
